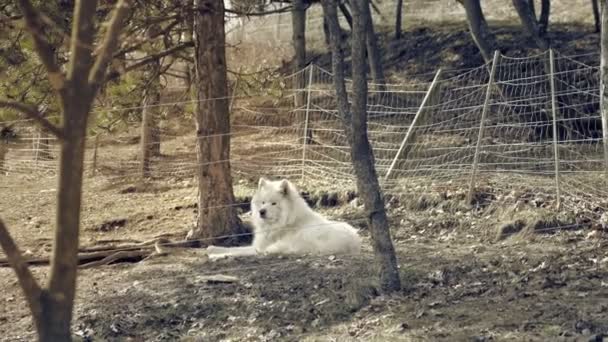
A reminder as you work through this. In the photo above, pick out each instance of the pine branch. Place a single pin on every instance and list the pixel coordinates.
(44, 50)
(110, 42)
(31, 112)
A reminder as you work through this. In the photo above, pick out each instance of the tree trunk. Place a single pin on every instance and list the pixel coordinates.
(298, 22)
(3, 153)
(355, 126)
(188, 31)
(52, 306)
(478, 26)
(596, 15)
(604, 79)
(346, 14)
(398, 19)
(150, 131)
(57, 303)
(543, 20)
(325, 31)
(528, 20)
(216, 215)
(373, 49)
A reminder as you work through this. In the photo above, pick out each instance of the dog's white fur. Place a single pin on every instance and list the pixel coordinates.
(285, 224)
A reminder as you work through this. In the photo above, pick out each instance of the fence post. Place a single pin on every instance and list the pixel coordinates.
(482, 126)
(277, 30)
(36, 146)
(409, 135)
(306, 117)
(95, 154)
(555, 136)
(235, 90)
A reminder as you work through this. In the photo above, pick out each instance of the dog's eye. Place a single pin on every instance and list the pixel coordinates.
(263, 203)
(274, 203)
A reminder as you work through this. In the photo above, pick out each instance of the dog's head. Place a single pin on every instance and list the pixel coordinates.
(272, 201)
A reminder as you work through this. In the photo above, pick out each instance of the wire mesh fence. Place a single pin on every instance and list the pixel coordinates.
(515, 121)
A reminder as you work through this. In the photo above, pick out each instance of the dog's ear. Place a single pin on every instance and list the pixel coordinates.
(262, 182)
(284, 187)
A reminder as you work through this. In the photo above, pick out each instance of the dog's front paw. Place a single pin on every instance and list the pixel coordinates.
(216, 253)
(218, 256)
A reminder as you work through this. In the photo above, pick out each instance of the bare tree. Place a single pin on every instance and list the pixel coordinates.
(355, 125)
(479, 28)
(529, 22)
(150, 130)
(596, 15)
(604, 78)
(216, 214)
(52, 306)
(298, 23)
(543, 19)
(398, 17)
(373, 48)
(346, 14)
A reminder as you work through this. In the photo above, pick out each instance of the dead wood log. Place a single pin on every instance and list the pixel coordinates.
(100, 253)
(118, 256)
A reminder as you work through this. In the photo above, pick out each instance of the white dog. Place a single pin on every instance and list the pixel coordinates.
(285, 224)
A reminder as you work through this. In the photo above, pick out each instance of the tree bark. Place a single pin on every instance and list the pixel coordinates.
(150, 131)
(478, 26)
(355, 125)
(76, 90)
(188, 31)
(298, 22)
(346, 14)
(216, 215)
(529, 22)
(373, 49)
(58, 303)
(543, 20)
(398, 23)
(604, 79)
(596, 15)
(3, 153)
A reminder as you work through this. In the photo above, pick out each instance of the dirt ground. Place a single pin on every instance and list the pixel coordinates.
(460, 282)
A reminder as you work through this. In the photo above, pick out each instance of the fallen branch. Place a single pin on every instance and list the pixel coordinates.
(118, 256)
(95, 253)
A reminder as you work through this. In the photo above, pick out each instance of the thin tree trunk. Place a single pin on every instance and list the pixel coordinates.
(298, 21)
(216, 215)
(604, 79)
(543, 20)
(596, 15)
(479, 28)
(355, 125)
(150, 131)
(529, 22)
(3, 153)
(325, 31)
(57, 303)
(346, 14)
(52, 306)
(188, 31)
(373, 49)
(398, 19)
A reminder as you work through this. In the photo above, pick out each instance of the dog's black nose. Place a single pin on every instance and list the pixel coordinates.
(263, 213)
